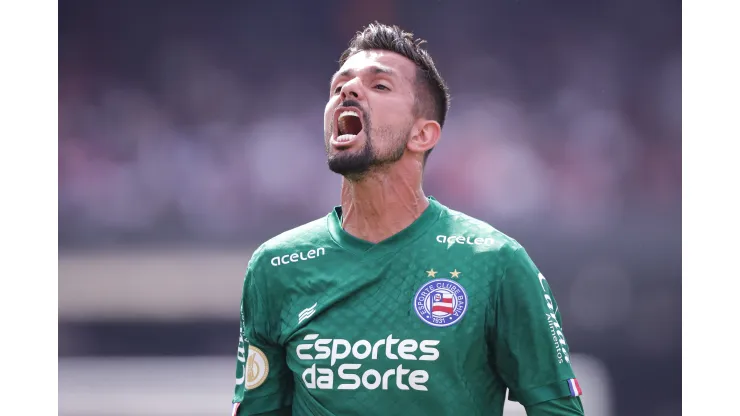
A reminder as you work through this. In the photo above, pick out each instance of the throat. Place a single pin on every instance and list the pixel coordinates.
(383, 203)
(379, 219)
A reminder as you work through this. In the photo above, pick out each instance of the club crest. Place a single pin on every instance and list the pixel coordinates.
(441, 302)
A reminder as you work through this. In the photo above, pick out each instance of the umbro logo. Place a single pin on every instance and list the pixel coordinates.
(307, 313)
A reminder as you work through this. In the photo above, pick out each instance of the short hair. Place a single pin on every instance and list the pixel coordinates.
(432, 95)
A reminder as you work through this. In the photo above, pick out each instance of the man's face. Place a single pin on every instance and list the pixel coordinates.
(369, 116)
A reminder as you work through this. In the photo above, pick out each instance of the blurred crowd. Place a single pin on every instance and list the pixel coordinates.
(183, 127)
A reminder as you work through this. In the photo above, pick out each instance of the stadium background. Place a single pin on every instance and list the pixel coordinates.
(190, 131)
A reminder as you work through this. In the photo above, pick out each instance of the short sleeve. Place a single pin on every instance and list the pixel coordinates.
(529, 349)
(264, 383)
(564, 406)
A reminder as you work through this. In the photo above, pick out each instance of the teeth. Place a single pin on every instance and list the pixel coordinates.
(348, 113)
(345, 138)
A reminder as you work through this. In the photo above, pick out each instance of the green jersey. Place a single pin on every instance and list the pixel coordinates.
(441, 318)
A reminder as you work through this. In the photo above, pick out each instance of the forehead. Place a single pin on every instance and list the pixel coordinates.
(380, 61)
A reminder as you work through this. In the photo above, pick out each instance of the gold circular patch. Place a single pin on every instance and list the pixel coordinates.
(256, 369)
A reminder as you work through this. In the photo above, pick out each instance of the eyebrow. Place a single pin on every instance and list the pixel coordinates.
(374, 70)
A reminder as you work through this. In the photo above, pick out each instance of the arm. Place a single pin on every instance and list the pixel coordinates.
(264, 383)
(529, 351)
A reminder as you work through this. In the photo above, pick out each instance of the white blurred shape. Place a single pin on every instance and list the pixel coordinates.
(595, 382)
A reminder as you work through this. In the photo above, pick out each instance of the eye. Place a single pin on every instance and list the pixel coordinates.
(337, 89)
(381, 87)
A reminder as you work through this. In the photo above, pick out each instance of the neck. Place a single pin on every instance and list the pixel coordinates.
(382, 204)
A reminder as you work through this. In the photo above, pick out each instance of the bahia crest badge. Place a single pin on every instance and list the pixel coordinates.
(441, 302)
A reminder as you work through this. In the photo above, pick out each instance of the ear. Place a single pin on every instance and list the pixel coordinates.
(426, 135)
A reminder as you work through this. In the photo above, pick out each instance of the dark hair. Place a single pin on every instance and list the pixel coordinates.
(432, 94)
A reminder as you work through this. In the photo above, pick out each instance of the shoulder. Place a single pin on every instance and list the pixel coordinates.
(498, 256)
(305, 242)
(465, 232)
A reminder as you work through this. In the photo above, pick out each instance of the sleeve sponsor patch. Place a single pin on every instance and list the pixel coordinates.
(257, 368)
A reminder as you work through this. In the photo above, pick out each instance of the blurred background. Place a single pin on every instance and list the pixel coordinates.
(191, 131)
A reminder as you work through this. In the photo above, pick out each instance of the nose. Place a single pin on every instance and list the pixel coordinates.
(351, 89)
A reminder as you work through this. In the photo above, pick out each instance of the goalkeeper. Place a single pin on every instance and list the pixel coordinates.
(393, 303)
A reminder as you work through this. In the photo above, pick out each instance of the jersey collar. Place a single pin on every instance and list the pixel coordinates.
(351, 243)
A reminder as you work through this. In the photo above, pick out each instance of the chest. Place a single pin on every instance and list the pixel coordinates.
(426, 310)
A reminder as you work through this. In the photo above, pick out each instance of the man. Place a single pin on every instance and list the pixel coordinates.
(394, 304)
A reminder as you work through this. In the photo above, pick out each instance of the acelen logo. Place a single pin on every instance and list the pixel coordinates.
(459, 239)
(296, 257)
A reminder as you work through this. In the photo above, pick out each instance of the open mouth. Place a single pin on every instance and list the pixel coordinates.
(349, 125)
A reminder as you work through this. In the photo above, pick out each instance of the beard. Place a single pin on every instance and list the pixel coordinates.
(355, 165)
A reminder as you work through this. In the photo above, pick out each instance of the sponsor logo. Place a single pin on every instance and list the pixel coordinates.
(253, 366)
(558, 339)
(328, 352)
(297, 257)
(459, 239)
(257, 368)
(307, 313)
(240, 368)
(441, 302)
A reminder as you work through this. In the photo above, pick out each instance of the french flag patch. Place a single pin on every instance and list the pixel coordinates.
(575, 388)
(235, 409)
